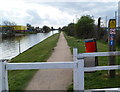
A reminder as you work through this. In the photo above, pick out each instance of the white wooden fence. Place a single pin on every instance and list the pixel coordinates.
(77, 66)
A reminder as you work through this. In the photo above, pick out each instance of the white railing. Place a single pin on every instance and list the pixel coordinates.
(77, 66)
(80, 69)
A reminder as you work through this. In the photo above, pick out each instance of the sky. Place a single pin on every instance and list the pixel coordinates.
(56, 13)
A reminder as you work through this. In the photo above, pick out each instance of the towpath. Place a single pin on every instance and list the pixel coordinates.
(54, 79)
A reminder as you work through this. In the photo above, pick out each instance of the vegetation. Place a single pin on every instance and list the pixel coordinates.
(85, 29)
(46, 29)
(97, 79)
(18, 80)
(32, 29)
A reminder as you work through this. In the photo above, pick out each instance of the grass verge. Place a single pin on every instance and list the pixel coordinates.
(97, 79)
(18, 80)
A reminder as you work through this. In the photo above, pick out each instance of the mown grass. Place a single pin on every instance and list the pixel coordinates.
(97, 79)
(18, 80)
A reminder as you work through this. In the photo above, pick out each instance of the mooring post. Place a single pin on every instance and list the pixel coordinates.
(3, 76)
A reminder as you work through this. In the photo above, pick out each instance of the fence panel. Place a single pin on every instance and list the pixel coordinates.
(77, 66)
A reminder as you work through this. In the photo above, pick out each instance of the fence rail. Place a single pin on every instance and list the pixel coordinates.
(77, 66)
(82, 55)
(99, 68)
(46, 65)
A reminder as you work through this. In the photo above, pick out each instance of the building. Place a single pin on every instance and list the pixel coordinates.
(16, 28)
(20, 28)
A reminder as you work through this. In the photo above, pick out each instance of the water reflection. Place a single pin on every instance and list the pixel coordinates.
(9, 48)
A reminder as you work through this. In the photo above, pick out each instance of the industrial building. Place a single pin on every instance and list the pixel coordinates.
(16, 28)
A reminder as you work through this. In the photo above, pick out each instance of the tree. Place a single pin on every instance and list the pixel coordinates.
(84, 28)
(29, 27)
(52, 28)
(46, 29)
(71, 28)
(9, 29)
(8, 23)
(37, 29)
(65, 29)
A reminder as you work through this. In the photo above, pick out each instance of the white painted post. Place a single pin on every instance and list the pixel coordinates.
(81, 75)
(75, 79)
(6, 76)
(3, 76)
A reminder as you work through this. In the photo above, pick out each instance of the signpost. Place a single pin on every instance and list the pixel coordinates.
(112, 43)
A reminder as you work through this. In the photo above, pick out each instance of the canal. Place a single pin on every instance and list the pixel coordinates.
(11, 47)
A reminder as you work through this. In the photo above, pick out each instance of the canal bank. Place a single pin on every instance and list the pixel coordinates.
(18, 80)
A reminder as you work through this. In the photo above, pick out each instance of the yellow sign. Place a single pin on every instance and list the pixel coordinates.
(112, 24)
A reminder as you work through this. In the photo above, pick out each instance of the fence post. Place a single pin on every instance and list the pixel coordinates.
(81, 75)
(3, 76)
(75, 79)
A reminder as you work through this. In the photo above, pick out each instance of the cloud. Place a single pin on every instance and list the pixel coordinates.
(84, 7)
(33, 17)
(37, 1)
(54, 13)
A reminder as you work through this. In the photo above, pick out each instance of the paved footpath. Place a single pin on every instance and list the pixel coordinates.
(54, 79)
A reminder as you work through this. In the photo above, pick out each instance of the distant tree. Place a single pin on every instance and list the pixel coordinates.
(65, 29)
(46, 29)
(8, 23)
(52, 28)
(37, 29)
(71, 29)
(30, 27)
(59, 28)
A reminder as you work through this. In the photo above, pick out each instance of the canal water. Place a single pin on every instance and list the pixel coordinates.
(11, 47)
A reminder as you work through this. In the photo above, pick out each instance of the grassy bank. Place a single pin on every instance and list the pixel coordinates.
(18, 80)
(98, 79)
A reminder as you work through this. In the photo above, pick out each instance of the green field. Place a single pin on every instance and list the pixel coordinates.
(97, 79)
(18, 80)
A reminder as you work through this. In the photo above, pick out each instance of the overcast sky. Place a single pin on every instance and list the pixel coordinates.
(55, 13)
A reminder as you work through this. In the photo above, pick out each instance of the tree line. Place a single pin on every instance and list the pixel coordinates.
(86, 28)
